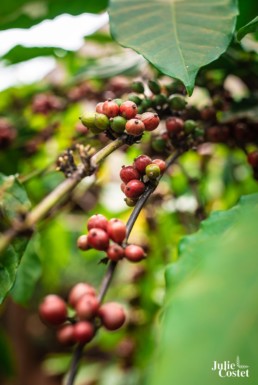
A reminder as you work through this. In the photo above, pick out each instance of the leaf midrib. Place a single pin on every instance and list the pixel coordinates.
(173, 9)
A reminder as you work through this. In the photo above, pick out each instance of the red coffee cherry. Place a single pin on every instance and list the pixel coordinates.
(65, 335)
(99, 108)
(98, 239)
(128, 109)
(97, 221)
(78, 291)
(128, 173)
(116, 230)
(141, 163)
(161, 164)
(134, 189)
(123, 186)
(82, 243)
(253, 158)
(53, 310)
(112, 315)
(134, 253)
(134, 127)
(87, 306)
(110, 108)
(150, 120)
(174, 125)
(115, 252)
(83, 332)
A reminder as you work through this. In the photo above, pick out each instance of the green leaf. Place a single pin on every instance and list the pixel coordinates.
(20, 53)
(178, 37)
(211, 312)
(28, 273)
(248, 28)
(26, 13)
(13, 201)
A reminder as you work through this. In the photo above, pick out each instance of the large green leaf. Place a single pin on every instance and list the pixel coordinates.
(28, 273)
(211, 312)
(26, 13)
(177, 36)
(248, 28)
(13, 201)
(20, 53)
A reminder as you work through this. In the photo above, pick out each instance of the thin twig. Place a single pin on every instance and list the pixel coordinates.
(42, 209)
(107, 279)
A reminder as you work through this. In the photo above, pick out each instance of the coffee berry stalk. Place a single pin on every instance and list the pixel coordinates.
(109, 236)
(136, 177)
(88, 314)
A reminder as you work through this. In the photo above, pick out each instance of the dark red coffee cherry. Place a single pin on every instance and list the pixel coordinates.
(97, 221)
(82, 243)
(253, 159)
(78, 291)
(112, 315)
(128, 109)
(65, 335)
(150, 120)
(134, 253)
(110, 108)
(115, 252)
(53, 310)
(134, 189)
(161, 164)
(141, 163)
(87, 307)
(83, 332)
(134, 127)
(116, 230)
(128, 173)
(174, 125)
(98, 239)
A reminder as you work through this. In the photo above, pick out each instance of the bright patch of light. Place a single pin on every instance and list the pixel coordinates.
(26, 72)
(65, 31)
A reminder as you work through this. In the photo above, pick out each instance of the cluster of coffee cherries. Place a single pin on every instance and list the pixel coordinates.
(88, 314)
(136, 177)
(109, 236)
(159, 97)
(116, 117)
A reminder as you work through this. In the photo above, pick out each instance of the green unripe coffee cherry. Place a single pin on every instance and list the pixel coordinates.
(158, 144)
(154, 87)
(146, 103)
(134, 98)
(118, 101)
(198, 132)
(189, 126)
(160, 100)
(101, 121)
(118, 124)
(138, 87)
(152, 171)
(88, 120)
(177, 102)
(130, 202)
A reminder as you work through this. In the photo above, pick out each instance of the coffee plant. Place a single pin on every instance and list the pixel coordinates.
(129, 198)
